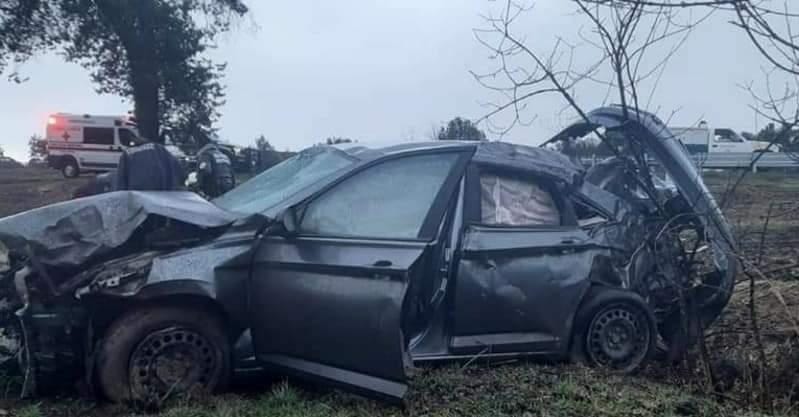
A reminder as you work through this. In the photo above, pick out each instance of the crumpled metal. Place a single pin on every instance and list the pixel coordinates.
(72, 233)
(537, 161)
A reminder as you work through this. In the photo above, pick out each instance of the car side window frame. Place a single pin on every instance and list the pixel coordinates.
(472, 211)
(726, 135)
(576, 198)
(435, 214)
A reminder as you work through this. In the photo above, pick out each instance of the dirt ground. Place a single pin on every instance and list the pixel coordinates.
(26, 188)
(535, 390)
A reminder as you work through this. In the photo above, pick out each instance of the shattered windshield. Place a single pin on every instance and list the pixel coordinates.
(285, 179)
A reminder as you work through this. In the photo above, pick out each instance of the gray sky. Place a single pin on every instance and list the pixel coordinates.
(299, 72)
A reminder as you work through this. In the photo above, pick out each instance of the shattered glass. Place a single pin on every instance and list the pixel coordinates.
(280, 182)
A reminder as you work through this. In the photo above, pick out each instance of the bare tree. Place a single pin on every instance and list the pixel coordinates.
(629, 44)
(614, 39)
(769, 24)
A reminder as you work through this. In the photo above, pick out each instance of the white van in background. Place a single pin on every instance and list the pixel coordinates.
(85, 143)
(703, 139)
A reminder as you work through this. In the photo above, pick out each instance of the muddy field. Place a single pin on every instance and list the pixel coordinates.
(532, 389)
(26, 188)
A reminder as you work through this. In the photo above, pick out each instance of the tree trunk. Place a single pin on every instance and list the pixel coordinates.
(144, 72)
(133, 22)
(144, 80)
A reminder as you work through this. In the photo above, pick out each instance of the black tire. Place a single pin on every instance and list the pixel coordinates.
(614, 329)
(143, 352)
(69, 168)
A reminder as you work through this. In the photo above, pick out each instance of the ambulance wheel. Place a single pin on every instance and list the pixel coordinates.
(70, 168)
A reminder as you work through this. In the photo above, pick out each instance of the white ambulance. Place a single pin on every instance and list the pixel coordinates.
(85, 143)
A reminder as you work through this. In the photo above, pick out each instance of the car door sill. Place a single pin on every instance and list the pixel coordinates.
(360, 383)
(435, 358)
(503, 343)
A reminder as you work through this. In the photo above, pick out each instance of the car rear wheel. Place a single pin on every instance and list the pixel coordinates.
(615, 330)
(70, 168)
(153, 353)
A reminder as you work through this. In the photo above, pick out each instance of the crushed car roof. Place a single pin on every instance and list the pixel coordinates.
(535, 160)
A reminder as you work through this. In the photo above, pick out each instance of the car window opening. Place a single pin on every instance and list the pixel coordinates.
(510, 201)
(389, 200)
(587, 215)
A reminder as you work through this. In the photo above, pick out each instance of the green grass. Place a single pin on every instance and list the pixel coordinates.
(525, 390)
(31, 410)
(516, 390)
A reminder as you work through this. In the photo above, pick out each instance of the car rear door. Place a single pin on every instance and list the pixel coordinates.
(523, 266)
(328, 302)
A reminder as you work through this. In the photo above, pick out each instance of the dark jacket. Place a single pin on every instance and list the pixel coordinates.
(215, 171)
(148, 167)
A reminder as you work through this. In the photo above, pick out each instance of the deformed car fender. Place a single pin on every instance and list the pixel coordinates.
(217, 271)
(669, 153)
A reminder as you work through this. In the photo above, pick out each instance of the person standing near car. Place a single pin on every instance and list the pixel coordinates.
(214, 171)
(148, 166)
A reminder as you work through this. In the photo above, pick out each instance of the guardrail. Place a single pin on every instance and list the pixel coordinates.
(734, 160)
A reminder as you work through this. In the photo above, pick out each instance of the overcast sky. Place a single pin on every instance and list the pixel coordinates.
(299, 72)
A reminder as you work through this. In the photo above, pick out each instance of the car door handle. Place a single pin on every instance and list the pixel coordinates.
(567, 241)
(382, 263)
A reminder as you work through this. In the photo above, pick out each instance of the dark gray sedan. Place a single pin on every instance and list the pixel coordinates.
(347, 265)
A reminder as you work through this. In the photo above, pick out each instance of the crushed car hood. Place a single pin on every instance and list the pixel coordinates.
(75, 232)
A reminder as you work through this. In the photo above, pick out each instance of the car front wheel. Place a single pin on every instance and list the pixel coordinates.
(615, 330)
(153, 353)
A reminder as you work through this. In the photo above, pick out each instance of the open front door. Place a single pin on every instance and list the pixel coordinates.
(329, 302)
(332, 309)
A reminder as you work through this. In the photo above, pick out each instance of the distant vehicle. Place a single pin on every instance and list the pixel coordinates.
(703, 139)
(6, 162)
(238, 155)
(86, 143)
(36, 162)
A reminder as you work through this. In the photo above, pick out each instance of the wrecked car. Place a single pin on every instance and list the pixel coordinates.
(348, 264)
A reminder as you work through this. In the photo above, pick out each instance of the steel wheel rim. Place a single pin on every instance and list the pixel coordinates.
(172, 361)
(618, 337)
(70, 170)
